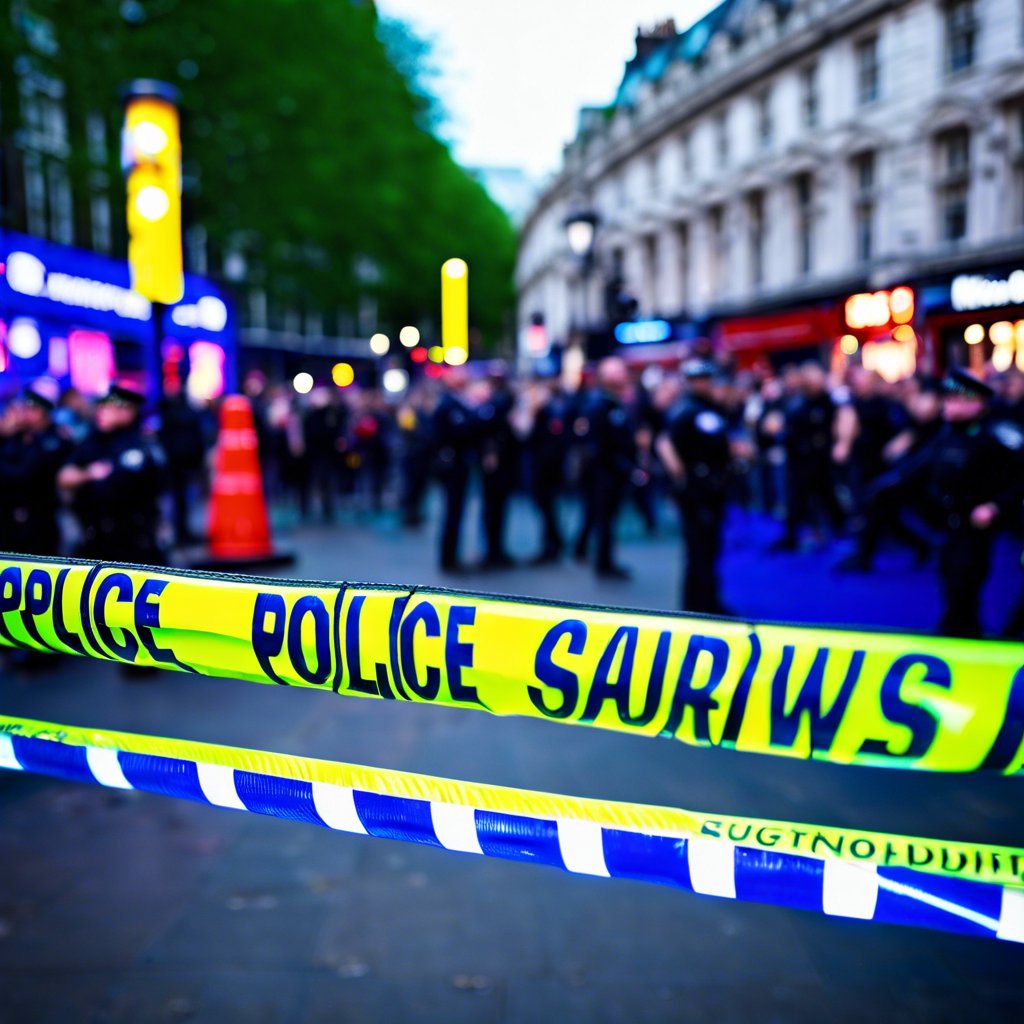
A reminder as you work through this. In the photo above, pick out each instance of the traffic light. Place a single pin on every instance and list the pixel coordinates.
(151, 157)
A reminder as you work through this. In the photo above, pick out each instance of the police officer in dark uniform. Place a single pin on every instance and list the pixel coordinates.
(114, 478)
(497, 465)
(547, 443)
(972, 477)
(810, 488)
(609, 437)
(455, 431)
(695, 450)
(29, 462)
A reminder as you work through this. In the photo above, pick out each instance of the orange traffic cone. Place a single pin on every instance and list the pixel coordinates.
(239, 529)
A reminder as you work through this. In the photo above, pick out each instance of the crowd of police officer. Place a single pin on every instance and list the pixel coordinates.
(926, 464)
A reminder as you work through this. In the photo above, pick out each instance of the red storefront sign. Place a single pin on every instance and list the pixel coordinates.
(796, 328)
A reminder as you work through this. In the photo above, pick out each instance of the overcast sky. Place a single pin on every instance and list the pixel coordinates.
(515, 72)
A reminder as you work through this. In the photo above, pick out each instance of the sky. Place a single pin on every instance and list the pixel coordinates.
(514, 73)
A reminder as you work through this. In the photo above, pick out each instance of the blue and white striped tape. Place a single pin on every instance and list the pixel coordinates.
(711, 867)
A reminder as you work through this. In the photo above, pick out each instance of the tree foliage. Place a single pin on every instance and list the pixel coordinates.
(308, 133)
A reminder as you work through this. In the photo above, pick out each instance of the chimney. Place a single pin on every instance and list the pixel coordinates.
(648, 40)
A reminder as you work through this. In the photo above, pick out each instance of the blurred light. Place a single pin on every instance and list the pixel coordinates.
(92, 361)
(379, 344)
(454, 268)
(580, 234)
(419, 355)
(1001, 332)
(23, 338)
(891, 360)
(642, 331)
(1002, 358)
(342, 374)
(149, 138)
(904, 333)
(58, 363)
(848, 344)
(572, 367)
(26, 273)
(436, 354)
(395, 380)
(974, 334)
(152, 202)
(303, 383)
(434, 371)
(537, 341)
(208, 314)
(206, 370)
(456, 355)
(409, 336)
(901, 303)
(867, 309)
(1018, 330)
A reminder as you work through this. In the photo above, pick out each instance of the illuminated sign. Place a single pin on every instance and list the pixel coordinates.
(642, 332)
(972, 291)
(879, 309)
(27, 275)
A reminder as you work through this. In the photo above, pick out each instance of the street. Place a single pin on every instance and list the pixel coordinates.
(125, 906)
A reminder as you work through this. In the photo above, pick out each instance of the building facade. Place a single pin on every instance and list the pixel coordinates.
(768, 177)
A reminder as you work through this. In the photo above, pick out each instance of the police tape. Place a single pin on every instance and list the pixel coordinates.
(589, 837)
(844, 696)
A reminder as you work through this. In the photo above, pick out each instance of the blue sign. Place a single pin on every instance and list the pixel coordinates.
(56, 282)
(643, 332)
(55, 289)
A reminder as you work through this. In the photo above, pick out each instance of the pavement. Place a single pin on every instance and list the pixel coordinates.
(125, 906)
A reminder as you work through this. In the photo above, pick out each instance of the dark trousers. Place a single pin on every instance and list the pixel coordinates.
(810, 497)
(495, 499)
(883, 514)
(454, 483)
(606, 497)
(703, 520)
(180, 479)
(545, 495)
(963, 567)
(415, 477)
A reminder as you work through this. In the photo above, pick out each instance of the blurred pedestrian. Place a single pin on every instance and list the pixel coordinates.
(30, 458)
(455, 430)
(181, 437)
(695, 451)
(972, 476)
(608, 435)
(547, 446)
(810, 486)
(416, 447)
(498, 464)
(323, 428)
(114, 479)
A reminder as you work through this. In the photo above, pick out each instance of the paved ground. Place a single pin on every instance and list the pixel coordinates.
(132, 907)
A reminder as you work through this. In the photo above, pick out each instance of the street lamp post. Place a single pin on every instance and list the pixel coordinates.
(580, 230)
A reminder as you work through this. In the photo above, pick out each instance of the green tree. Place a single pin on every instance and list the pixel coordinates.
(309, 135)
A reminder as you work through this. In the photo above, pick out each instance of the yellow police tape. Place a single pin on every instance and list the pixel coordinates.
(978, 862)
(838, 695)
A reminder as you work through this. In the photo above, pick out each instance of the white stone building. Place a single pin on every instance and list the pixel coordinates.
(757, 169)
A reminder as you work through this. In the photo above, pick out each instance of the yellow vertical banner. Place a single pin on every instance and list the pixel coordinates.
(455, 305)
(152, 161)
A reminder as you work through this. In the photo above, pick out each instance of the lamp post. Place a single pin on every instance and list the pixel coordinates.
(580, 229)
